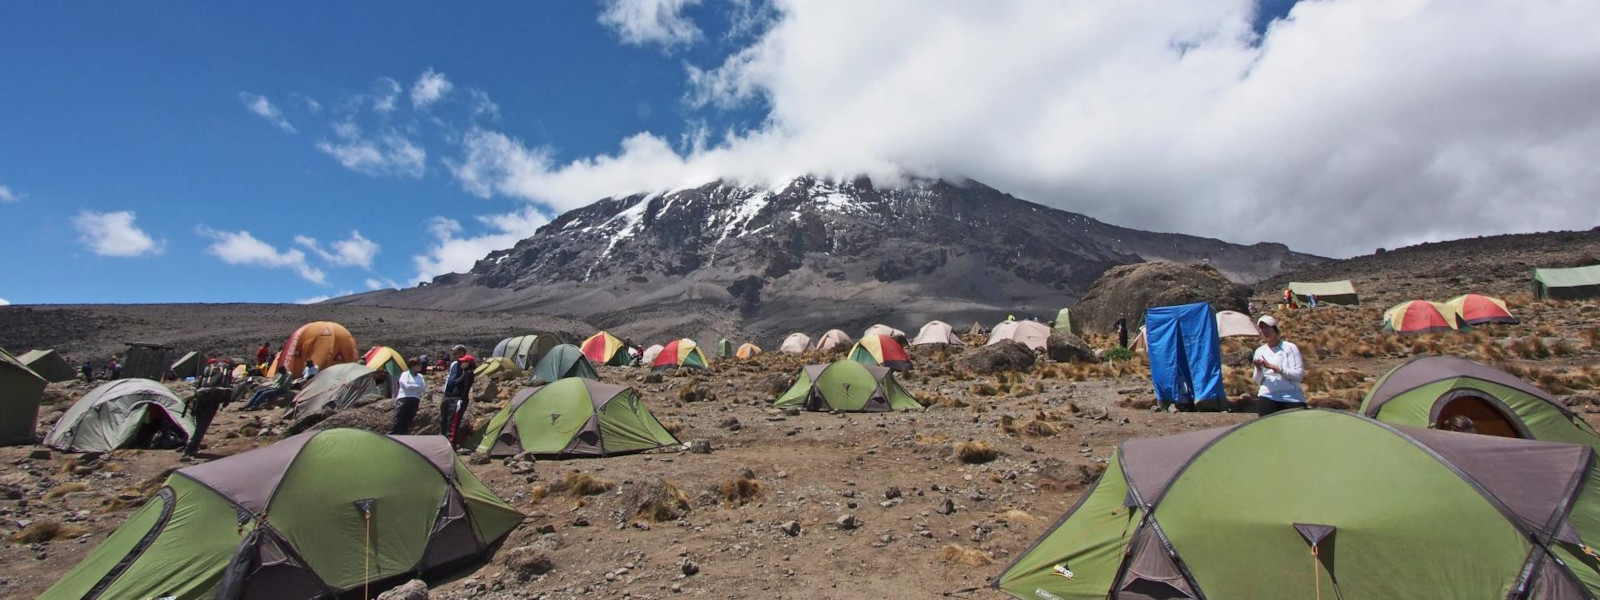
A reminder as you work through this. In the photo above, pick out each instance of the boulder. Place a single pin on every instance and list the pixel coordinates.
(527, 563)
(412, 590)
(1006, 355)
(1065, 347)
(1127, 290)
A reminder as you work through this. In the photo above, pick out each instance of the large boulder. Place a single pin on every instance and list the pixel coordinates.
(1127, 290)
(1065, 347)
(1006, 355)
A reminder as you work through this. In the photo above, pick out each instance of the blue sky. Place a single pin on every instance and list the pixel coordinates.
(219, 152)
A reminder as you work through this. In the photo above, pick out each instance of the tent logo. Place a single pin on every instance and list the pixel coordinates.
(1062, 571)
(1046, 595)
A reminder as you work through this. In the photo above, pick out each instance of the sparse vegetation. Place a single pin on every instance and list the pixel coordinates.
(659, 501)
(742, 490)
(976, 452)
(61, 490)
(955, 554)
(580, 484)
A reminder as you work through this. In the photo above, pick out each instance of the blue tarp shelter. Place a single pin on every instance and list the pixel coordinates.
(1185, 356)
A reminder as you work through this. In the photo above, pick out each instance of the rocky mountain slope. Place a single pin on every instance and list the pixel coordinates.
(810, 254)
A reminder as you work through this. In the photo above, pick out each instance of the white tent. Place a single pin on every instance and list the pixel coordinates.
(1032, 334)
(796, 343)
(650, 355)
(1233, 323)
(937, 332)
(833, 339)
(881, 329)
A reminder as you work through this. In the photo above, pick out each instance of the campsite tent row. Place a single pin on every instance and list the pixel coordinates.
(1567, 284)
(1420, 316)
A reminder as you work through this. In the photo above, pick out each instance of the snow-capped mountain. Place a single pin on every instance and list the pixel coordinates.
(810, 253)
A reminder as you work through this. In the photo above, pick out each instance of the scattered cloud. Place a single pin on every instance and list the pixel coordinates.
(115, 234)
(312, 106)
(385, 94)
(264, 108)
(429, 88)
(482, 105)
(644, 22)
(450, 252)
(243, 249)
(355, 251)
(381, 283)
(5, 302)
(8, 196)
(1344, 127)
(322, 298)
(389, 154)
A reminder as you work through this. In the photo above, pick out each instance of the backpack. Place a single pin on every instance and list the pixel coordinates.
(213, 377)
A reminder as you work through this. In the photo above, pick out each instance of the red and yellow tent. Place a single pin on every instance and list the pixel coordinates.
(680, 353)
(605, 349)
(386, 358)
(881, 350)
(1420, 316)
(1477, 309)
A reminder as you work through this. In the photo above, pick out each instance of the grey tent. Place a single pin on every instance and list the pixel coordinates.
(119, 414)
(525, 350)
(1567, 284)
(147, 361)
(339, 386)
(20, 390)
(562, 362)
(187, 366)
(49, 365)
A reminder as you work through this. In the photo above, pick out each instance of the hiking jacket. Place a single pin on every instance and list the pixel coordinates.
(458, 382)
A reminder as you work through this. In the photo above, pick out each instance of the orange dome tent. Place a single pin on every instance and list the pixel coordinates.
(323, 342)
(1477, 309)
(747, 350)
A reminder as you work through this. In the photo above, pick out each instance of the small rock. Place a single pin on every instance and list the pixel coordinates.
(847, 522)
(478, 459)
(412, 590)
(700, 446)
(39, 454)
(730, 424)
(688, 567)
(948, 507)
(546, 528)
(527, 563)
(791, 528)
(891, 493)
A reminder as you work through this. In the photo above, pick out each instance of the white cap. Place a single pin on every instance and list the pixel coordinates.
(1268, 321)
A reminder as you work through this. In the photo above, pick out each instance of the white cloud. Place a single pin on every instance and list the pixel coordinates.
(314, 299)
(389, 154)
(115, 234)
(482, 104)
(1351, 125)
(642, 22)
(355, 251)
(385, 93)
(381, 283)
(312, 106)
(451, 253)
(429, 88)
(264, 108)
(242, 248)
(6, 195)
(5, 302)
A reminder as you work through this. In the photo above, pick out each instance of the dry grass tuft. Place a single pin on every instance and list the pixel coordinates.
(538, 492)
(64, 489)
(983, 389)
(580, 484)
(956, 555)
(976, 452)
(742, 490)
(47, 530)
(1015, 517)
(673, 427)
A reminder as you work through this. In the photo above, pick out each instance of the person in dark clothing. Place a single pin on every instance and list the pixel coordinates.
(265, 396)
(408, 395)
(1122, 332)
(212, 390)
(88, 373)
(114, 369)
(457, 388)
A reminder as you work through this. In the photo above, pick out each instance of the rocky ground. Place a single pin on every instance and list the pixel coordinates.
(796, 504)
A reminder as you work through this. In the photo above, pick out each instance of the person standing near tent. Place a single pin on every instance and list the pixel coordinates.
(114, 368)
(1122, 332)
(263, 354)
(88, 372)
(1311, 300)
(457, 387)
(310, 370)
(407, 397)
(1279, 368)
(212, 389)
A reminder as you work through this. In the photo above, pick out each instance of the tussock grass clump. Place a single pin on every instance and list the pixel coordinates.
(1530, 348)
(580, 484)
(937, 439)
(673, 427)
(955, 554)
(976, 452)
(1014, 516)
(983, 389)
(538, 492)
(47, 530)
(1591, 338)
(61, 490)
(943, 400)
(659, 501)
(743, 489)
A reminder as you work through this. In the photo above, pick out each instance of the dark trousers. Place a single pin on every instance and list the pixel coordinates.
(405, 411)
(451, 412)
(1266, 407)
(204, 409)
(262, 397)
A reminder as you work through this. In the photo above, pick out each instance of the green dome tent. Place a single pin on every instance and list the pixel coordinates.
(560, 363)
(1314, 503)
(847, 386)
(410, 509)
(20, 392)
(1431, 390)
(724, 348)
(574, 417)
(119, 414)
(339, 386)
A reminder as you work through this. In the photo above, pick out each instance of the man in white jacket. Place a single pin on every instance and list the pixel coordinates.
(1279, 369)
(407, 396)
